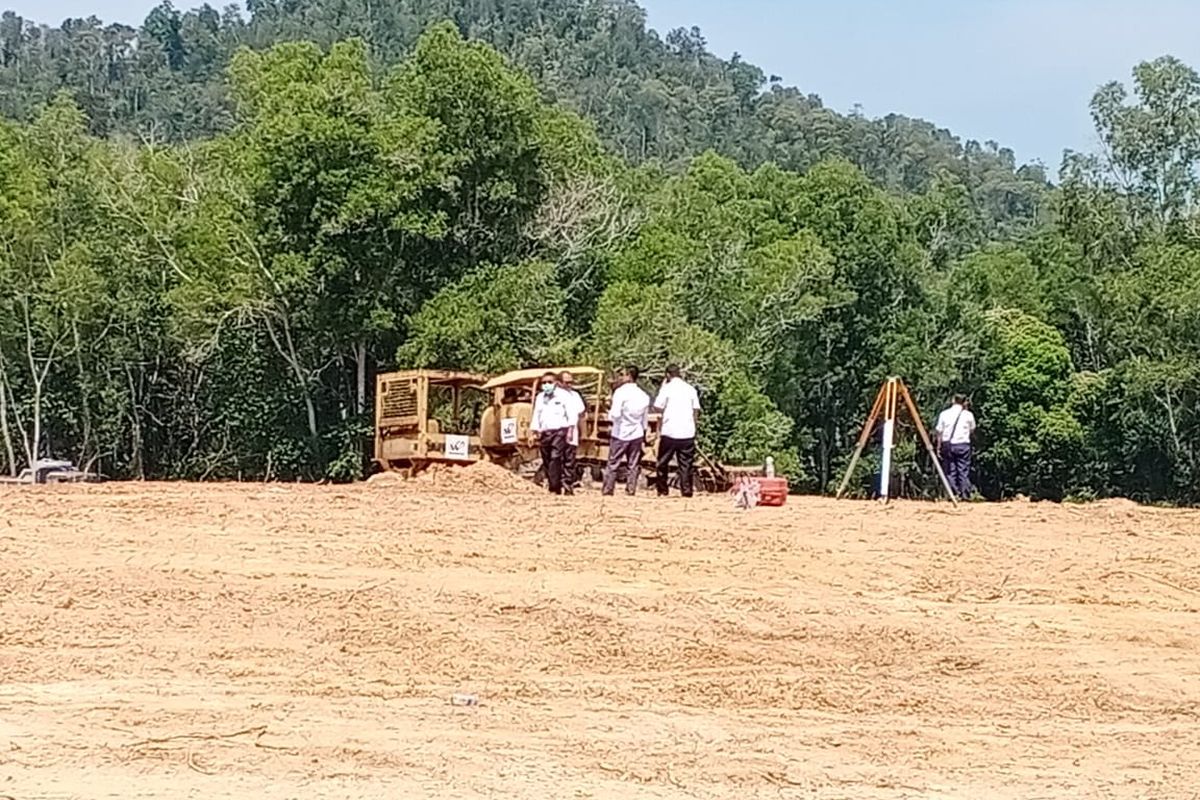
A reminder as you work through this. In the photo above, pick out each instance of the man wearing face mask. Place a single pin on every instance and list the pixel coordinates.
(551, 422)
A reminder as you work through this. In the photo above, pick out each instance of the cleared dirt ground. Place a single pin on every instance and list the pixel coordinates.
(259, 641)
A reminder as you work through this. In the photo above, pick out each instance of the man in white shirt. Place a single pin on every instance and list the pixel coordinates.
(679, 404)
(955, 426)
(551, 422)
(627, 412)
(576, 410)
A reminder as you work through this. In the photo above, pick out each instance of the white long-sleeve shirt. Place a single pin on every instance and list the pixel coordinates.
(628, 413)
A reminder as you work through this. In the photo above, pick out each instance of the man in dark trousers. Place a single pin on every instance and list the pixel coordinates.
(552, 422)
(679, 404)
(955, 427)
(627, 412)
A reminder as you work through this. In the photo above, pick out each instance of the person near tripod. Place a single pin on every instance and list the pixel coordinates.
(955, 427)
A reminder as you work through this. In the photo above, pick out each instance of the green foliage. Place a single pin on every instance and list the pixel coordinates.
(493, 320)
(999, 277)
(743, 426)
(1033, 438)
(488, 128)
(639, 324)
(1154, 144)
(1157, 422)
(346, 448)
(651, 97)
(211, 241)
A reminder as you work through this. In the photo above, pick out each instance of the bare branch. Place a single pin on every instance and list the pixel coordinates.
(584, 215)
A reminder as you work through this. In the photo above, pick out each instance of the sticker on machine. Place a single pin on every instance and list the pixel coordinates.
(457, 447)
(508, 430)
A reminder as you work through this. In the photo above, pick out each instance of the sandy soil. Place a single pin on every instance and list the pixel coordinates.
(258, 641)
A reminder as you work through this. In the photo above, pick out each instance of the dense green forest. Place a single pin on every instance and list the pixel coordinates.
(216, 228)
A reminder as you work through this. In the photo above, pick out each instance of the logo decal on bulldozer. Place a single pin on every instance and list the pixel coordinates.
(457, 447)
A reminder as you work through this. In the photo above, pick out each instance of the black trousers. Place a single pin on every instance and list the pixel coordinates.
(684, 453)
(554, 447)
(956, 463)
(570, 467)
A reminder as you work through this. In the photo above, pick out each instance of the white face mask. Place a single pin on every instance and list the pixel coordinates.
(547, 388)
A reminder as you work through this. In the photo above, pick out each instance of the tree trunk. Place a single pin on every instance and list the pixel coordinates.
(824, 463)
(37, 378)
(1169, 406)
(16, 414)
(289, 355)
(138, 465)
(10, 454)
(86, 438)
(36, 439)
(360, 357)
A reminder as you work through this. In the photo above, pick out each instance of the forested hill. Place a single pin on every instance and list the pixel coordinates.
(226, 226)
(650, 97)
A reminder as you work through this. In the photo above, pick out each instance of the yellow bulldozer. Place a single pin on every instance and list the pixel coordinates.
(424, 417)
(428, 416)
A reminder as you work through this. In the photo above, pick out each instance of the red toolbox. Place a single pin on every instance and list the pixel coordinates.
(772, 491)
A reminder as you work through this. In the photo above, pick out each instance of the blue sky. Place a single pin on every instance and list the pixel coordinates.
(1017, 71)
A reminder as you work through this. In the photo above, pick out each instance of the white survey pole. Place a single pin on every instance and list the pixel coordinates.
(885, 467)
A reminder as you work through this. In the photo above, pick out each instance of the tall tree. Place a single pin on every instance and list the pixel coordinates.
(1152, 146)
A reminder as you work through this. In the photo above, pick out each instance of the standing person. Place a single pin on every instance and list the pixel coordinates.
(628, 415)
(577, 411)
(955, 426)
(551, 421)
(680, 405)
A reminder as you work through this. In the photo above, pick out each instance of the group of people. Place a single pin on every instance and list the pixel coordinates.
(558, 418)
(559, 413)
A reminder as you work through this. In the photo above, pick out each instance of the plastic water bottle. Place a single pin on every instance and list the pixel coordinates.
(770, 470)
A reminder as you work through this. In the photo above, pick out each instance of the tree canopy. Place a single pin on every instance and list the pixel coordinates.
(217, 228)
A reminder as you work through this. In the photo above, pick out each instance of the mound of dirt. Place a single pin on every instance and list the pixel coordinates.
(482, 476)
(1119, 508)
(385, 479)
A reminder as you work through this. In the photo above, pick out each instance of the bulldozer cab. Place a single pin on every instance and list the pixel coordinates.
(428, 416)
(506, 427)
